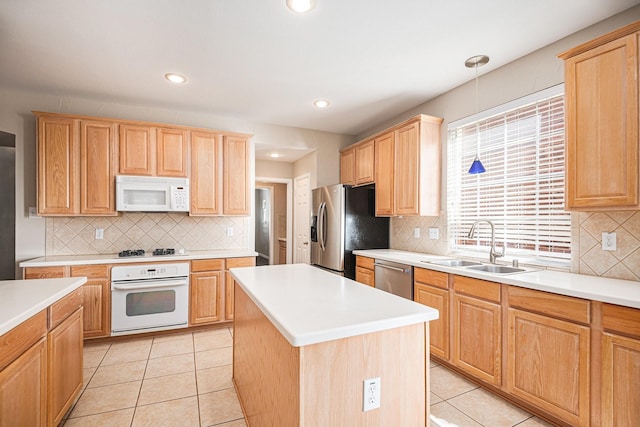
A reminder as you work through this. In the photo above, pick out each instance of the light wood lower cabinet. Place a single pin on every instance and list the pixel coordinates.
(96, 299)
(431, 288)
(65, 366)
(23, 388)
(548, 352)
(620, 366)
(229, 282)
(365, 272)
(205, 290)
(477, 328)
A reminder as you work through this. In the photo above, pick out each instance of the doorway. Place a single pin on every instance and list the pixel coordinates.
(273, 220)
(8, 206)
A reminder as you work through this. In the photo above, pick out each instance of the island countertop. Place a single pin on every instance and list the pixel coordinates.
(309, 305)
(21, 299)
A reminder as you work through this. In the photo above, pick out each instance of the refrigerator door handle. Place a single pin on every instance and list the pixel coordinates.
(320, 226)
(323, 230)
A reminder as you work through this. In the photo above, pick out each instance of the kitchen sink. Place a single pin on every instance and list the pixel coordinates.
(454, 262)
(497, 269)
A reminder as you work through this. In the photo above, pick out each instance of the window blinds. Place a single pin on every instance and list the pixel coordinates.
(522, 190)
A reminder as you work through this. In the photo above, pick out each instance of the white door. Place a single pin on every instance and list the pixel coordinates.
(302, 217)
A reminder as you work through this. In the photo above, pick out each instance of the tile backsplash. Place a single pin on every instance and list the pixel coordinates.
(586, 235)
(76, 235)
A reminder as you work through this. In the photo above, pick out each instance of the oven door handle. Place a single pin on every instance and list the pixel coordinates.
(132, 286)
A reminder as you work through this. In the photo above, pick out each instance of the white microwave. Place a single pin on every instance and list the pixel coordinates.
(152, 194)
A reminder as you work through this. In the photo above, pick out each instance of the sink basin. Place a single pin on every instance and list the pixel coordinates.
(454, 263)
(497, 269)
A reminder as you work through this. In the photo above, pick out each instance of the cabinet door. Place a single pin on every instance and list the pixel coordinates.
(58, 174)
(438, 329)
(96, 299)
(205, 297)
(235, 157)
(65, 366)
(548, 364)
(23, 388)
(602, 126)
(206, 177)
(365, 166)
(620, 381)
(44, 272)
(348, 167)
(137, 150)
(97, 168)
(172, 152)
(406, 170)
(384, 158)
(477, 338)
(229, 285)
(366, 276)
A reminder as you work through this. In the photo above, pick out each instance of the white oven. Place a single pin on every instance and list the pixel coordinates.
(149, 297)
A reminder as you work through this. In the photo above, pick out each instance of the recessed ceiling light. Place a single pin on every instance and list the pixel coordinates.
(321, 103)
(175, 78)
(274, 155)
(300, 6)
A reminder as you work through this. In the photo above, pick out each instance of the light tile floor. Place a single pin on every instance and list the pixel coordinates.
(184, 379)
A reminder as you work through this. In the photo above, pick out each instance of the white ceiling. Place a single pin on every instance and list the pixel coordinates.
(257, 60)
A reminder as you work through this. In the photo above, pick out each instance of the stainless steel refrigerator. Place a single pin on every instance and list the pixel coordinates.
(343, 220)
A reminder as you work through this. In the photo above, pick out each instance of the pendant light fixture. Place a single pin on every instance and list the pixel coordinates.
(475, 62)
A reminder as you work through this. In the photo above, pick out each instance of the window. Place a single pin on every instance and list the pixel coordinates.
(521, 145)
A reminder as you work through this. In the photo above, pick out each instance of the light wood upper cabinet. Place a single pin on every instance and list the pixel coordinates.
(58, 172)
(348, 166)
(137, 149)
(405, 163)
(365, 165)
(601, 96)
(235, 159)
(384, 155)
(97, 167)
(206, 174)
(172, 152)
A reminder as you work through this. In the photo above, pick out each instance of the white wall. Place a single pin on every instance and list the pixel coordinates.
(16, 118)
(274, 169)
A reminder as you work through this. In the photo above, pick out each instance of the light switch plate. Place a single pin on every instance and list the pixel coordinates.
(609, 241)
(99, 233)
(416, 232)
(229, 231)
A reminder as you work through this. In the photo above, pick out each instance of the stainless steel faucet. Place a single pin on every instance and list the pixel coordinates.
(493, 253)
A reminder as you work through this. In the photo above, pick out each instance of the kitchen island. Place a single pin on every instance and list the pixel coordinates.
(40, 349)
(305, 342)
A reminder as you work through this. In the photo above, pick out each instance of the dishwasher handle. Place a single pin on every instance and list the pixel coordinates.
(402, 270)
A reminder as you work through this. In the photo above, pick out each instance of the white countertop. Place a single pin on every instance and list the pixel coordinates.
(309, 305)
(614, 291)
(21, 299)
(51, 261)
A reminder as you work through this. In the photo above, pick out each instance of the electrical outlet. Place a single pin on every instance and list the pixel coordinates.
(229, 231)
(99, 233)
(371, 394)
(608, 241)
(33, 213)
(416, 232)
(434, 233)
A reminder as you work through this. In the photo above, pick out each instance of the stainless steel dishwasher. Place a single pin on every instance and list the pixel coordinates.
(394, 278)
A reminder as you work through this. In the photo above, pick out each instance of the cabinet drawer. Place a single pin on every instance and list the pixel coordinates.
(19, 339)
(430, 277)
(60, 310)
(44, 272)
(477, 288)
(560, 306)
(90, 271)
(207, 264)
(241, 262)
(364, 262)
(625, 320)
